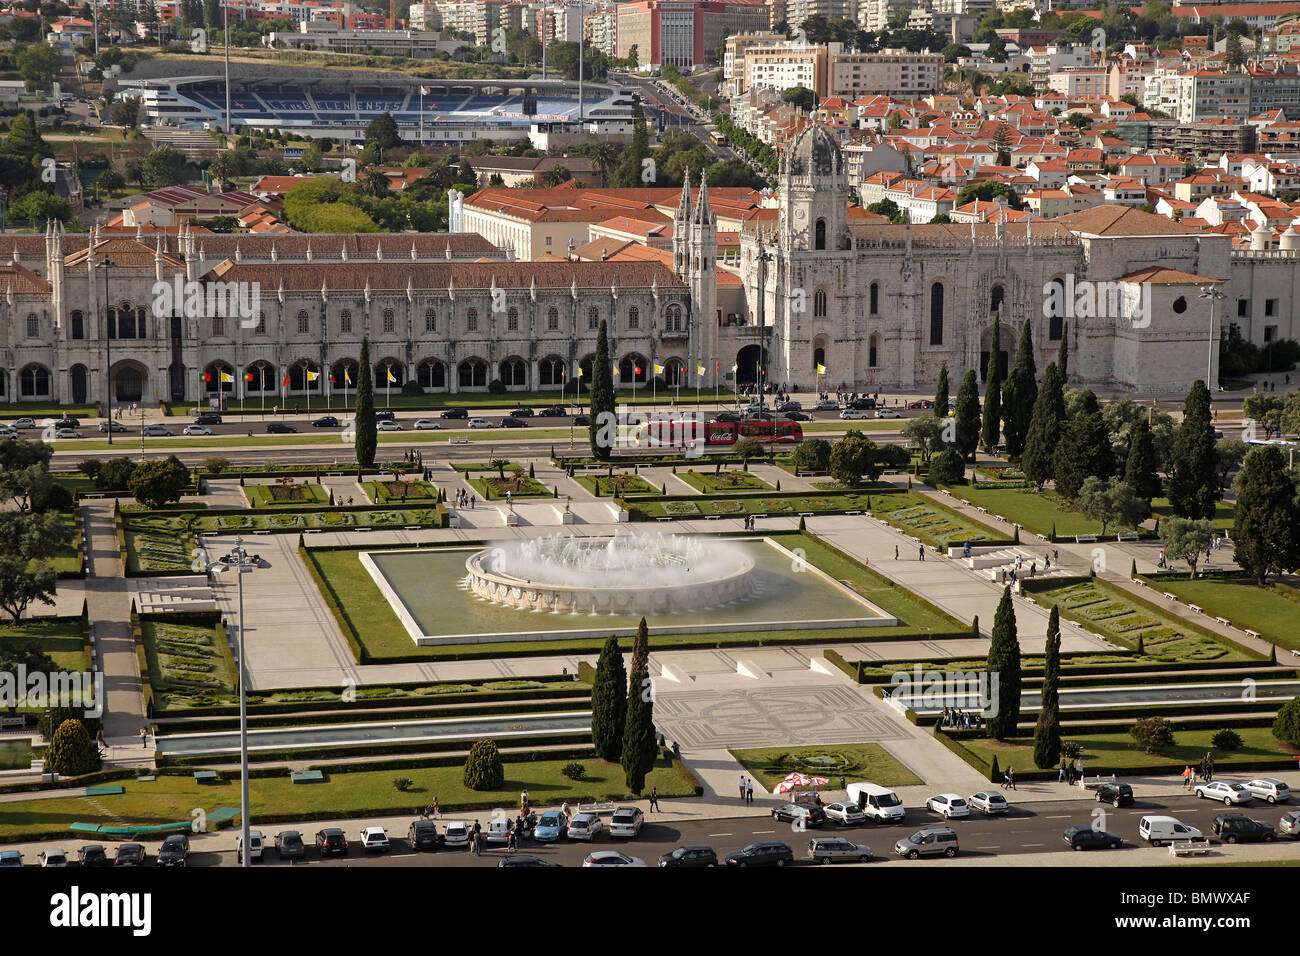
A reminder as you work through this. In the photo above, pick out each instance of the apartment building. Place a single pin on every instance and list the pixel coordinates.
(892, 72)
(785, 66)
(1211, 94)
(733, 58)
(681, 32)
(1081, 82)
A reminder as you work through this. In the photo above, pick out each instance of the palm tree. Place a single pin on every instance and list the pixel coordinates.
(604, 155)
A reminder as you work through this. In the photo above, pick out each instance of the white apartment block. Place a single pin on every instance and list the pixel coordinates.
(1046, 60)
(891, 72)
(783, 67)
(1080, 81)
(1210, 94)
(876, 14)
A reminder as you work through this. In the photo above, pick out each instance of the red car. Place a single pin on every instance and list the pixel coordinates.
(921, 403)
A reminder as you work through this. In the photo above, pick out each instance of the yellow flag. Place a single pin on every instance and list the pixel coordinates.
(659, 369)
(347, 376)
(226, 377)
(736, 367)
(579, 371)
(311, 376)
(699, 370)
(821, 369)
(391, 376)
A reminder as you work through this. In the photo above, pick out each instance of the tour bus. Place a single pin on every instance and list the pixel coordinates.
(682, 431)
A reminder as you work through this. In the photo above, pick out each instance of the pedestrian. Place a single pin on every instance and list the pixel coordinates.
(510, 840)
(144, 736)
(1060, 773)
(677, 750)
(895, 552)
(99, 738)
(1078, 768)
(523, 798)
(1011, 778)
(921, 551)
(1056, 556)
(564, 808)
(844, 784)
(742, 788)
(749, 792)
(472, 499)
(654, 799)
(1187, 777)
(477, 839)
(437, 810)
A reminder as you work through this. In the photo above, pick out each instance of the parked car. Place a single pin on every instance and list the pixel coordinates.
(524, 861)
(948, 804)
(197, 430)
(67, 433)
(553, 411)
(130, 854)
(207, 418)
(289, 845)
(256, 844)
(845, 814)
(933, 841)
(581, 420)
(1116, 794)
(511, 422)
(427, 424)
(789, 407)
(826, 406)
(10, 858)
(325, 421)
(830, 849)
(385, 415)
(423, 835)
(766, 853)
(1289, 825)
(454, 413)
(8, 431)
(523, 411)
(862, 404)
(921, 403)
(800, 815)
(1086, 838)
(374, 840)
(585, 826)
(626, 822)
(58, 859)
(331, 842)
(1224, 790)
(388, 425)
(24, 422)
(456, 834)
(988, 802)
(1268, 789)
(479, 423)
(726, 417)
(1162, 829)
(115, 427)
(93, 855)
(695, 854)
(551, 826)
(175, 851)
(67, 421)
(853, 415)
(611, 858)
(888, 413)
(1239, 828)
(280, 428)
(796, 416)
(879, 803)
(157, 431)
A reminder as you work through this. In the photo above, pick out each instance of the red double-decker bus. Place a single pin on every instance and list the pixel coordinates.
(680, 432)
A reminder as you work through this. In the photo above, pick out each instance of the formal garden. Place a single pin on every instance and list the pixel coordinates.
(721, 482)
(770, 765)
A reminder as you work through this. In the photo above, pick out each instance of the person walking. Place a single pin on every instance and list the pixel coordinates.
(749, 792)
(144, 736)
(895, 552)
(1011, 778)
(1078, 768)
(1187, 777)
(921, 551)
(654, 799)
(742, 788)
(1060, 773)
(437, 810)
(564, 808)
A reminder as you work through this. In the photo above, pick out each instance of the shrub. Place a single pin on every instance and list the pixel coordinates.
(574, 770)
(115, 474)
(1226, 740)
(945, 467)
(483, 768)
(403, 784)
(90, 467)
(412, 387)
(216, 464)
(72, 752)
(1286, 726)
(1071, 749)
(1153, 734)
(497, 387)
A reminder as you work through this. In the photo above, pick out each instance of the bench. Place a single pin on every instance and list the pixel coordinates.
(307, 776)
(1128, 536)
(1224, 621)
(1196, 609)
(596, 807)
(1085, 538)
(9, 723)
(106, 791)
(146, 778)
(456, 440)
(1254, 634)
(1172, 597)
(205, 776)
(1189, 848)
(1092, 783)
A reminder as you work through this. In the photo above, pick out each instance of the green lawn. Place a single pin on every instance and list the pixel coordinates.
(723, 481)
(39, 410)
(15, 754)
(1037, 511)
(491, 487)
(1268, 610)
(930, 521)
(285, 495)
(770, 765)
(616, 485)
(189, 665)
(441, 400)
(752, 504)
(469, 467)
(171, 798)
(1106, 753)
(402, 492)
(1224, 512)
(60, 637)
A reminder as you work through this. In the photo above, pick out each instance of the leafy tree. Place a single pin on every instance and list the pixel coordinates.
(483, 767)
(967, 415)
(110, 180)
(367, 431)
(1186, 539)
(946, 468)
(1286, 725)
(27, 543)
(629, 171)
(1233, 56)
(1004, 666)
(1047, 732)
(164, 166)
(24, 471)
(851, 456)
(813, 454)
(1266, 526)
(1019, 395)
(609, 702)
(1063, 355)
(71, 752)
(125, 113)
(37, 65)
(639, 732)
(602, 412)
(1230, 453)
(382, 131)
(1193, 490)
(989, 427)
(159, 482)
(1084, 449)
(748, 448)
(38, 206)
(1123, 416)
(990, 190)
(225, 168)
(1140, 464)
(115, 474)
(1153, 734)
(801, 98)
(941, 392)
(24, 139)
(924, 434)
(1112, 502)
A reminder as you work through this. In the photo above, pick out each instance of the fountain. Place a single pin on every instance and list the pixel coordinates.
(625, 574)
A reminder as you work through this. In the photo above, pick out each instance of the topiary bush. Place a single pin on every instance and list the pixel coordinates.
(72, 753)
(1286, 726)
(1226, 740)
(1153, 734)
(483, 768)
(216, 464)
(1071, 749)
(946, 468)
(574, 770)
(497, 387)
(412, 387)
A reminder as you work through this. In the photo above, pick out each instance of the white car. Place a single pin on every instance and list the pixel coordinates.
(626, 822)
(53, 858)
(7, 431)
(611, 858)
(585, 826)
(854, 414)
(456, 834)
(67, 433)
(888, 413)
(1229, 793)
(197, 430)
(988, 802)
(478, 423)
(1267, 788)
(374, 840)
(845, 814)
(388, 425)
(427, 424)
(948, 804)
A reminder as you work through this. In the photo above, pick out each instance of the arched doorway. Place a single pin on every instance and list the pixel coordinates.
(472, 373)
(632, 369)
(751, 365)
(674, 373)
(385, 368)
(513, 372)
(77, 379)
(218, 377)
(551, 372)
(431, 374)
(34, 382)
(128, 382)
(263, 378)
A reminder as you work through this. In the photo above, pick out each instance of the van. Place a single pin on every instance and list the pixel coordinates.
(1158, 830)
(254, 847)
(933, 841)
(498, 829)
(878, 803)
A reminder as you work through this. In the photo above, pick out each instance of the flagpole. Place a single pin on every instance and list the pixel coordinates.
(388, 386)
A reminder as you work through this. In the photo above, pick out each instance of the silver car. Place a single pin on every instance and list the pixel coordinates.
(988, 802)
(830, 849)
(626, 822)
(424, 424)
(585, 826)
(845, 814)
(1289, 825)
(1268, 789)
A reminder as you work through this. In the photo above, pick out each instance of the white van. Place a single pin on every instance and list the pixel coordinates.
(254, 847)
(878, 803)
(1158, 830)
(498, 828)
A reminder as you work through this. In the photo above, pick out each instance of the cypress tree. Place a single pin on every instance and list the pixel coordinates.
(365, 425)
(71, 751)
(990, 427)
(1019, 395)
(639, 734)
(609, 702)
(1063, 355)
(1047, 734)
(1140, 467)
(1084, 449)
(1193, 488)
(1039, 459)
(602, 397)
(967, 415)
(1004, 663)
(1266, 527)
(941, 393)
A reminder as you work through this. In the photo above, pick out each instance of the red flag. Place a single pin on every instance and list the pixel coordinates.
(719, 366)
(248, 376)
(638, 369)
(286, 381)
(332, 380)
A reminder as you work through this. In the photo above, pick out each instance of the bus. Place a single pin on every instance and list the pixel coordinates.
(683, 431)
(717, 137)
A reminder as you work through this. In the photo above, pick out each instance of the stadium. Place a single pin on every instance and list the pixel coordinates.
(448, 112)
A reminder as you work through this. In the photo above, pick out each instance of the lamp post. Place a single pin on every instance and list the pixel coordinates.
(1212, 293)
(239, 561)
(108, 345)
(764, 257)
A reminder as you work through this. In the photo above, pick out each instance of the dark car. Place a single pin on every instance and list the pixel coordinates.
(1239, 828)
(581, 420)
(114, 427)
(175, 851)
(332, 842)
(207, 418)
(862, 403)
(1086, 838)
(789, 407)
(385, 415)
(726, 417)
(826, 406)
(761, 854)
(802, 814)
(512, 422)
(289, 845)
(93, 855)
(455, 413)
(693, 855)
(280, 428)
(523, 411)
(325, 421)
(423, 835)
(796, 416)
(67, 421)
(1116, 794)
(553, 411)
(130, 854)
(524, 861)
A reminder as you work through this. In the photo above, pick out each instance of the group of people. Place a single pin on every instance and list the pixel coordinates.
(1215, 544)
(123, 410)
(746, 789)
(961, 719)
(1069, 773)
(464, 499)
(749, 522)
(1205, 770)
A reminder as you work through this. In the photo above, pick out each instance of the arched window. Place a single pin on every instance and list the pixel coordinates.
(875, 298)
(1056, 306)
(873, 352)
(78, 330)
(263, 377)
(345, 321)
(388, 320)
(593, 318)
(34, 382)
(551, 370)
(514, 372)
(512, 320)
(996, 298)
(140, 332)
(431, 374)
(472, 373)
(820, 239)
(430, 320)
(125, 322)
(4, 382)
(819, 358)
(673, 318)
(304, 323)
(634, 318)
(304, 377)
(261, 322)
(819, 303)
(552, 319)
(936, 314)
(384, 369)
(471, 320)
(218, 326)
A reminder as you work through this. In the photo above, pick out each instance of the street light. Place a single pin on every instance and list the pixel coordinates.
(239, 561)
(1212, 293)
(106, 265)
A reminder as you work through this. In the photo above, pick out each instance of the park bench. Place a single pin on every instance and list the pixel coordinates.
(307, 776)
(9, 723)
(1172, 597)
(105, 791)
(1196, 609)
(1224, 620)
(596, 807)
(146, 778)
(457, 440)
(1128, 536)
(205, 776)
(1189, 848)
(1085, 538)
(1254, 634)
(1093, 782)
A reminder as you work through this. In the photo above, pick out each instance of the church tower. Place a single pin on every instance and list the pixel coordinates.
(813, 193)
(701, 276)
